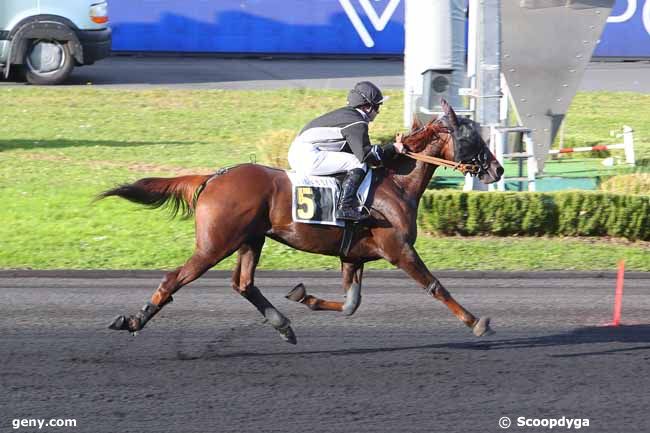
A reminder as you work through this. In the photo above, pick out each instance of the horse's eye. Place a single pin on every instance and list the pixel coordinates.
(466, 132)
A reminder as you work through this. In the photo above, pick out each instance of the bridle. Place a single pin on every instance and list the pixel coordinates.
(473, 168)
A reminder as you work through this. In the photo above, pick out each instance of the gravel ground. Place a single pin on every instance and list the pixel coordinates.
(402, 363)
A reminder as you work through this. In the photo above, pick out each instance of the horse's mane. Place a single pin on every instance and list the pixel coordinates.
(417, 140)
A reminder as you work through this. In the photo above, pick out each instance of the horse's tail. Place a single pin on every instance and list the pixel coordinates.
(179, 193)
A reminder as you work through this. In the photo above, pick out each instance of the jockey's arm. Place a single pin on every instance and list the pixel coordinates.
(356, 136)
(389, 151)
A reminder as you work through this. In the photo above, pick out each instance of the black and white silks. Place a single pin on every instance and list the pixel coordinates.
(342, 130)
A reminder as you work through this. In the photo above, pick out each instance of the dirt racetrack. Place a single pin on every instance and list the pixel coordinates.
(402, 363)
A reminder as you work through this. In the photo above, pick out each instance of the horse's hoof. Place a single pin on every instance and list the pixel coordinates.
(288, 335)
(119, 324)
(297, 294)
(123, 323)
(482, 327)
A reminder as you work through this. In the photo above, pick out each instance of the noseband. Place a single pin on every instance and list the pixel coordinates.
(482, 161)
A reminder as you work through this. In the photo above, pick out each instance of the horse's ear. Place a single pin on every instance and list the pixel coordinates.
(449, 112)
(416, 123)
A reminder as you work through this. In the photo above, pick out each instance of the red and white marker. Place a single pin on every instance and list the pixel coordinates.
(598, 148)
(618, 298)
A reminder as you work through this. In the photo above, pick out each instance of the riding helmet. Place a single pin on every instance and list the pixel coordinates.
(365, 93)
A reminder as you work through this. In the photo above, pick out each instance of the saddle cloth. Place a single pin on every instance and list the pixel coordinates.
(314, 198)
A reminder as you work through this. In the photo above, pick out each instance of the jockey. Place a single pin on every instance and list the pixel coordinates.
(338, 142)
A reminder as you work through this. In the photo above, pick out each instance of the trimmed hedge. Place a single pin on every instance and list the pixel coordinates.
(573, 213)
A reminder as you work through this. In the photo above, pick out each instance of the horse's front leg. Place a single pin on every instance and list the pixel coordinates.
(352, 277)
(411, 263)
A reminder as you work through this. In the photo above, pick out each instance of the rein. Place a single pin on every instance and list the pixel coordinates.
(463, 168)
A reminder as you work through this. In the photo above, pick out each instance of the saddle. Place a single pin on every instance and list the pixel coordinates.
(314, 200)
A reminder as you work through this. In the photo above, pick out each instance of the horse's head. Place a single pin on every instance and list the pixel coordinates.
(465, 144)
(468, 147)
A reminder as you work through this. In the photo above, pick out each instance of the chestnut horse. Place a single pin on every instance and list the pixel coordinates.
(236, 209)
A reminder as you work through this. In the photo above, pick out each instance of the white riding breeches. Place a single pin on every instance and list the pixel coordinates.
(307, 159)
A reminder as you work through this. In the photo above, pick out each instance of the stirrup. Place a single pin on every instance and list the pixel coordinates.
(351, 215)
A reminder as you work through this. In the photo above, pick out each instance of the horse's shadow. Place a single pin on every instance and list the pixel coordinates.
(575, 338)
(578, 337)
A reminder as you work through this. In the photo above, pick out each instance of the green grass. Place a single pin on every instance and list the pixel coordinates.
(593, 115)
(60, 147)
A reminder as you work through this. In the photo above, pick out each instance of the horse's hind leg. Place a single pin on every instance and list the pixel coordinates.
(243, 282)
(352, 276)
(196, 266)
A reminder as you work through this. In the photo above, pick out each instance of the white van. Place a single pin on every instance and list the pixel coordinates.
(44, 39)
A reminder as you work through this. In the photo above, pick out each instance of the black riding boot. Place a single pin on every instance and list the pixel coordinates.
(348, 208)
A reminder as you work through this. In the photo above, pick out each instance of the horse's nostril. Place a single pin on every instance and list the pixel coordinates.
(499, 171)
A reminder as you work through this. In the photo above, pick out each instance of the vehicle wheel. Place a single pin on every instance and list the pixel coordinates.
(47, 62)
(17, 73)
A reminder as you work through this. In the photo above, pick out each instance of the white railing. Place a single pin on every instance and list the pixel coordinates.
(498, 140)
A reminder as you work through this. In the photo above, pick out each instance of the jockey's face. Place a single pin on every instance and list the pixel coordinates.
(372, 112)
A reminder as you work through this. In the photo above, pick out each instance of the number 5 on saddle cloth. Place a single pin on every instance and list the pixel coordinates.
(314, 198)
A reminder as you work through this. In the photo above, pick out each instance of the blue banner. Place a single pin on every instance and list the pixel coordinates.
(311, 27)
(259, 26)
(627, 33)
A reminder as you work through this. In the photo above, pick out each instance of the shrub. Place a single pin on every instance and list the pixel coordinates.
(637, 183)
(273, 148)
(572, 213)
